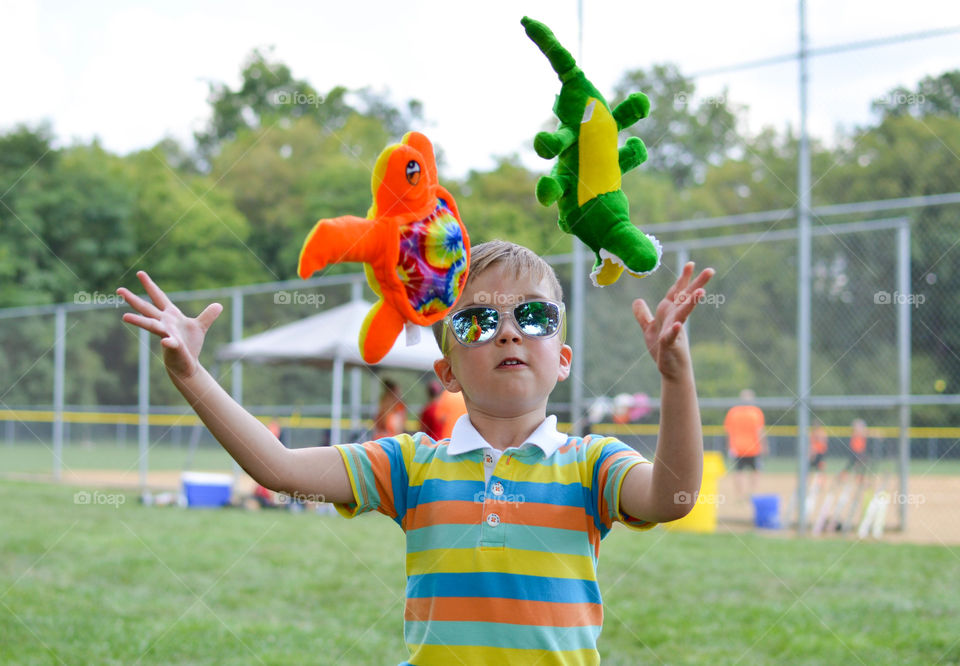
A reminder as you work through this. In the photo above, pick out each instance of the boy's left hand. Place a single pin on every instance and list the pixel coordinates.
(663, 332)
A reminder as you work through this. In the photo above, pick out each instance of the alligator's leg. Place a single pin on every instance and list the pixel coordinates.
(632, 154)
(630, 110)
(551, 144)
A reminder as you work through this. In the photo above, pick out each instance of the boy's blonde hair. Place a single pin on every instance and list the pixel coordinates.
(516, 258)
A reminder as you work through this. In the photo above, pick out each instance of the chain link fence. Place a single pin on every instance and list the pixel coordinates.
(743, 335)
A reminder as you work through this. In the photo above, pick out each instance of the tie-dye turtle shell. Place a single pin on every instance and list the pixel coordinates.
(433, 261)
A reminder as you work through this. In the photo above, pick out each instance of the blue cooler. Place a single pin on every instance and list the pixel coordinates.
(206, 489)
(766, 511)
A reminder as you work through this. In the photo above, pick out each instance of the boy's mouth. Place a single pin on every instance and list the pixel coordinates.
(511, 363)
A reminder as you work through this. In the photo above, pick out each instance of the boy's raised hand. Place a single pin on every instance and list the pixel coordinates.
(663, 331)
(181, 336)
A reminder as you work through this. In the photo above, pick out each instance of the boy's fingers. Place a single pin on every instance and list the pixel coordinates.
(147, 323)
(209, 315)
(681, 282)
(170, 342)
(702, 279)
(685, 274)
(685, 286)
(689, 304)
(671, 335)
(642, 312)
(155, 292)
(138, 304)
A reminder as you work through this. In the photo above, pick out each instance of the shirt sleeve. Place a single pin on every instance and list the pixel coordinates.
(610, 460)
(378, 476)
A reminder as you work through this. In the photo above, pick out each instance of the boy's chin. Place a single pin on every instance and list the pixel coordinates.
(507, 405)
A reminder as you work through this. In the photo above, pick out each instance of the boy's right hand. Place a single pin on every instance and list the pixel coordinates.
(181, 336)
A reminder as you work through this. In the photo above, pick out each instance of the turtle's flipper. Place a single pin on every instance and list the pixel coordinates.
(380, 329)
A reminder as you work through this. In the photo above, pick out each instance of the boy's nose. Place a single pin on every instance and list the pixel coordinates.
(509, 332)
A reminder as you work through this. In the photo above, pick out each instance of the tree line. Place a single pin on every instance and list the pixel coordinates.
(277, 154)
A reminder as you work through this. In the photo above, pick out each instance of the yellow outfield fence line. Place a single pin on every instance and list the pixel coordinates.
(778, 431)
(128, 418)
(320, 422)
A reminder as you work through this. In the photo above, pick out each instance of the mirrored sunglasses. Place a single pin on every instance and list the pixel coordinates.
(477, 324)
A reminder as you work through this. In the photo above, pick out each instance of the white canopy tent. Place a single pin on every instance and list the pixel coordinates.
(330, 338)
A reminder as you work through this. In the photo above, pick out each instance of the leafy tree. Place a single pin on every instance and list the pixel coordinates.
(269, 95)
(683, 135)
(24, 153)
(933, 96)
(186, 230)
(501, 204)
(21, 150)
(267, 89)
(283, 179)
(907, 155)
(68, 232)
(395, 120)
(720, 368)
(26, 362)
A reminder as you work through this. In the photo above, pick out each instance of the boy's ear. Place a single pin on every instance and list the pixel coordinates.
(566, 356)
(444, 372)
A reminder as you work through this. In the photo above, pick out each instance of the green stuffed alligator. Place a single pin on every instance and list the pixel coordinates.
(585, 181)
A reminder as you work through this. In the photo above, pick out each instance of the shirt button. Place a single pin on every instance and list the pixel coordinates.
(497, 488)
(493, 520)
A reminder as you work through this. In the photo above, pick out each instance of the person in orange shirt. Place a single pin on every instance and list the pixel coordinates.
(442, 412)
(391, 413)
(744, 425)
(858, 448)
(431, 420)
(450, 407)
(818, 448)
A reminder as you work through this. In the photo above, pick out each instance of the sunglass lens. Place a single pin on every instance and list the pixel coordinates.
(475, 325)
(537, 318)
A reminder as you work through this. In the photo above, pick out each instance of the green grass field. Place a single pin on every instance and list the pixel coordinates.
(37, 458)
(123, 583)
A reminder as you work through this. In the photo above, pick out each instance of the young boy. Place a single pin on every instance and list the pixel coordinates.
(504, 519)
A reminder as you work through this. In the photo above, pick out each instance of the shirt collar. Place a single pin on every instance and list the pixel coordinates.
(465, 437)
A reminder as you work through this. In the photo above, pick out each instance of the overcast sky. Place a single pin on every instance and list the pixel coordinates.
(131, 73)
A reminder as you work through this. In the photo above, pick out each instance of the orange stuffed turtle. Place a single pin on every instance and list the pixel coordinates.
(414, 246)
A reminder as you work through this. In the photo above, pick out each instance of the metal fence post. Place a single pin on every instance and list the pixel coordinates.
(143, 358)
(803, 279)
(59, 361)
(904, 349)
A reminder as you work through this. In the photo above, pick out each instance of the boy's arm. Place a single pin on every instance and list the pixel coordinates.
(315, 471)
(667, 490)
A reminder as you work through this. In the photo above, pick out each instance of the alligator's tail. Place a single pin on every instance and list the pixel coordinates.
(560, 59)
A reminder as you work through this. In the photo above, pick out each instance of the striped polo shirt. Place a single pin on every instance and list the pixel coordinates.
(502, 547)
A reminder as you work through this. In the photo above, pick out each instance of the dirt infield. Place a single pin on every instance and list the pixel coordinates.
(933, 507)
(933, 501)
